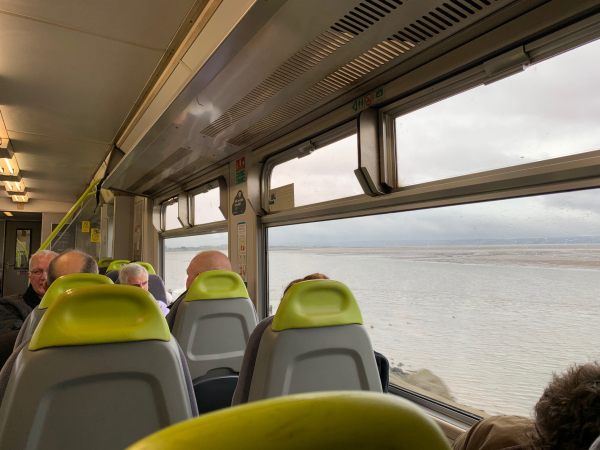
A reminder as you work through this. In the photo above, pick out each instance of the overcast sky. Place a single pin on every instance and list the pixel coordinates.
(551, 109)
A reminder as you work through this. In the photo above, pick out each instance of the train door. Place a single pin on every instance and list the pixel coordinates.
(21, 240)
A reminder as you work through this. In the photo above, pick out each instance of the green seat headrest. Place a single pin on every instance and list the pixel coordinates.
(117, 264)
(147, 266)
(72, 281)
(316, 303)
(216, 285)
(100, 315)
(338, 420)
(104, 262)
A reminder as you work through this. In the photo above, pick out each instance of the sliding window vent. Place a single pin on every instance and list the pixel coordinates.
(356, 21)
(402, 44)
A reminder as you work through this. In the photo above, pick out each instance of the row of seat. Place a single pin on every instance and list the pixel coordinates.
(286, 354)
(108, 264)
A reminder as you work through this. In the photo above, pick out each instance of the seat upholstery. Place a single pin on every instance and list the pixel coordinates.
(214, 321)
(101, 371)
(315, 342)
(317, 421)
(116, 264)
(56, 289)
(146, 265)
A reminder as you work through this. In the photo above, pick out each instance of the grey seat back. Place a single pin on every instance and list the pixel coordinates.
(315, 342)
(56, 289)
(213, 323)
(100, 372)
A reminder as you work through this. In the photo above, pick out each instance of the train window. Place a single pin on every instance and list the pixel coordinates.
(318, 172)
(546, 111)
(474, 305)
(170, 214)
(206, 204)
(179, 251)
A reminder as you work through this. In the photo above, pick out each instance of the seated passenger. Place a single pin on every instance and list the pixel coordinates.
(14, 309)
(136, 275)
(202, 262)
(567, 417)
(68, 262)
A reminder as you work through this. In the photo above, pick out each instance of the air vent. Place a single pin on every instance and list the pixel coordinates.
(397, 46)
(356, 21)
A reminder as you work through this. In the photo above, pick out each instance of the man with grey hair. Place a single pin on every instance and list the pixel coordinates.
(136, 275)
(15, 308)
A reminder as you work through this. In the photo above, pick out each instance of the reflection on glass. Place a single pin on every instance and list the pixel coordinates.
(178, 252)
(172, 216)
(325, 174)
(23, 248)
(476, 304)
(206, 207)
(531, 116)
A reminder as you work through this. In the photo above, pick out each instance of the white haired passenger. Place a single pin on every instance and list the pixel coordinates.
(136, 275)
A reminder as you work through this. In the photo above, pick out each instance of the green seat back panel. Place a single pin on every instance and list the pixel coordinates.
(316, 303)
(146, 265)
(341, 420)
(217, 285)
(99, 315)
(117, 264)
(72, 281)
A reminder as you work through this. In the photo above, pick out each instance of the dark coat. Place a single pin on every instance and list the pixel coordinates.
(15, 308)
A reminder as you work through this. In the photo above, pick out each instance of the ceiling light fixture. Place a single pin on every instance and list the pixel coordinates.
(22, 198)
(8, 213)
(6, 150)
(9, 169)
(15, 187)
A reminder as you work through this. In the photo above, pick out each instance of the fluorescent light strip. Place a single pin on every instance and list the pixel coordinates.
(8, 213)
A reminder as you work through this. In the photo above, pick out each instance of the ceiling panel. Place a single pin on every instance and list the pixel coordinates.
(71, 72)
(88, 83)
(149, 23)
(52, 166)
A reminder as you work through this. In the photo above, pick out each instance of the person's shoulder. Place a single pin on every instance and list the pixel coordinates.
(497, 433)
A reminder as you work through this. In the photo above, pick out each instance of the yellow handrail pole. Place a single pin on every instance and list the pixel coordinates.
(69, 214)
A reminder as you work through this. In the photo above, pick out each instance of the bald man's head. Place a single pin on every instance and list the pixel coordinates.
(71, 261)
(204, 261)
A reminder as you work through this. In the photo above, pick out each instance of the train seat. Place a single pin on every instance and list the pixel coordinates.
(315, 342)
(60, 285)
(146, 265)
(100, 372)
(213, 324)
(319, 421)
(116, 264)
(156, 285)
(103, 264)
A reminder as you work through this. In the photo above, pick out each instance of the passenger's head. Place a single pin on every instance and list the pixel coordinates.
(205, 261)
(567, 416)
(38, 270)
(134, 275)
(71, 261)
(312, 276)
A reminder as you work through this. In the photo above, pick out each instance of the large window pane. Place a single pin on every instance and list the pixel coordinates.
(548, 110)
(477, 304)
(179, 251)
(206, 207)
(325, 174)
